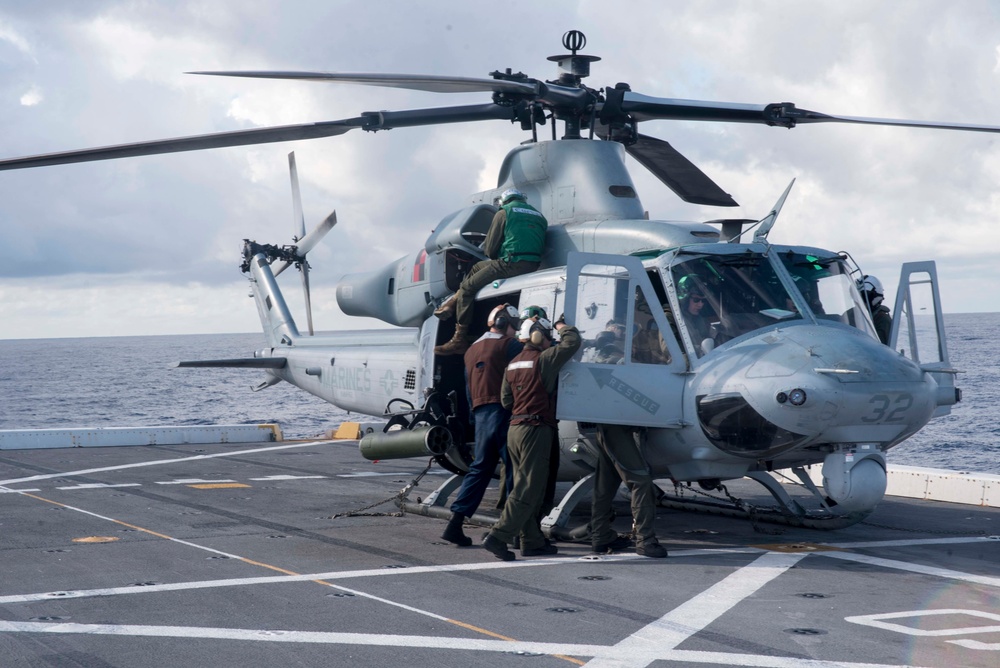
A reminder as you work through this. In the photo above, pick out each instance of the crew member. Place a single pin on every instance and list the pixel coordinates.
(621, 460)
(874, 295)
(534, 312)
(529, 392)
(692, 299)
(485, 362)
(514, 246)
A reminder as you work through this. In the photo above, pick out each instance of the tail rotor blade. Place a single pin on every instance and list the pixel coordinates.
(309, 241)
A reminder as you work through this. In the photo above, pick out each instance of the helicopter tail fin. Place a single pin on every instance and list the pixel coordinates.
(275, 318)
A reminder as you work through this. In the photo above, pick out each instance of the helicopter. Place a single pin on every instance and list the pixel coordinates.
(787, 375)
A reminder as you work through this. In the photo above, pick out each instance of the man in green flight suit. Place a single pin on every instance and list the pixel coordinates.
(514, 244)
(621, 460)
(872, 290)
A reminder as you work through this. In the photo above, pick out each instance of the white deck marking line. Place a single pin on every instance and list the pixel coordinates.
(98, 485)
(876, 621)
(189, 481)
(599, 652)
(375, 474)
(290, 477)
(368, 474)
(157, 462)
(648, 643)
(343, 575)
(915, 568)
(5, 490)
(910, 542)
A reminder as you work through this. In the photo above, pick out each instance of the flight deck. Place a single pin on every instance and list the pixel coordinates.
(280, 554)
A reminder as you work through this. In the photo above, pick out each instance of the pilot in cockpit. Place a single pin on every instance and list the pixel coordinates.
(695, 310)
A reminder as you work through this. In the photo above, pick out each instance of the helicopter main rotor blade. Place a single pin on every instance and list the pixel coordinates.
(678, 173)
(784, 114)
(428, 83)
(369, 120)
(193, 143)
(553, 94)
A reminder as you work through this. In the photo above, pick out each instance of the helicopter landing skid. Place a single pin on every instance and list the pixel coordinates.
(788, 512)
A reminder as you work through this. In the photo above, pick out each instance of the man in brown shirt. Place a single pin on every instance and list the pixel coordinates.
(528, 391)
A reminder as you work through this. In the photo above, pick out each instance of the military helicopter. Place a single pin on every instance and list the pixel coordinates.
(780, 368)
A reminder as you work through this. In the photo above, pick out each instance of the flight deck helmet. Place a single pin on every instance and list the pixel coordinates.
(502, 317)
(535, 331)
(872, 289)
(529, 312)
(511, 194)
(687, 286)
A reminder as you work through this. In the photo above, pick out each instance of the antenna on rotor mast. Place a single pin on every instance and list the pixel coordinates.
(573, 67)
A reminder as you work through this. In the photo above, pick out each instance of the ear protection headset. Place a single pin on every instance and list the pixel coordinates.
(502, 317)
(536, 331)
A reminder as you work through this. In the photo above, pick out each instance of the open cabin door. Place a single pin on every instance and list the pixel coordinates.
(918, 329)
(637, 379)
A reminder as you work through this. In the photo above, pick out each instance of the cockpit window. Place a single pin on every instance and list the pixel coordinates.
(828, 289)
(725, 296)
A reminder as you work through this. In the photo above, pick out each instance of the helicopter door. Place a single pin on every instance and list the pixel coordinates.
(918, 328)
(630, 369)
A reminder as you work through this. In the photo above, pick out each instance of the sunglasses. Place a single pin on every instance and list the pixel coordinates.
(696, 299)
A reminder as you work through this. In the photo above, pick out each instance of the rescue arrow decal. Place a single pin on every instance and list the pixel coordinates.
(606, 377)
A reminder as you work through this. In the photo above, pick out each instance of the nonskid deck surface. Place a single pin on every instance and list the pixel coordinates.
(226, 555)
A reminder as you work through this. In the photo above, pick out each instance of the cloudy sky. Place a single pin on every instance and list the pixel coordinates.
(151, 245)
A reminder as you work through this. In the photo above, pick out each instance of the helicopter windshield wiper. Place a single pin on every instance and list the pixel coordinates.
(740, 262)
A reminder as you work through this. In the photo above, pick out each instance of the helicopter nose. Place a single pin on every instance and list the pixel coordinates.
(809, 385)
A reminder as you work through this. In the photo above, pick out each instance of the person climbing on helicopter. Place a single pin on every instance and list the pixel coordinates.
(871, 288)
(514, 245)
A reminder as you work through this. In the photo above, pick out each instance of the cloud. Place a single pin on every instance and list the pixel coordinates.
(32, 97)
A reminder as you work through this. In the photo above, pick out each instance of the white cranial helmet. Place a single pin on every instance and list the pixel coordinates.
(535, 331)
(872, 287)
(511, 194)
(503, 316)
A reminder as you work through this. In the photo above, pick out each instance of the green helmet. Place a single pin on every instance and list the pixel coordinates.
(529, 312)
(687, 286)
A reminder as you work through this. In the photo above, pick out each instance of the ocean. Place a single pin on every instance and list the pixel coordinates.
(128, 382)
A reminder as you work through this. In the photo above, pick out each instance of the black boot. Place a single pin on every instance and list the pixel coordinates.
(453, 532)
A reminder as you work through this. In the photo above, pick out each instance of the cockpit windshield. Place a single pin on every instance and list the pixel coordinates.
(725, 296)
(828, 289)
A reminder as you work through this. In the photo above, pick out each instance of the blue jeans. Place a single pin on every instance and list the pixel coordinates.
(491, 421)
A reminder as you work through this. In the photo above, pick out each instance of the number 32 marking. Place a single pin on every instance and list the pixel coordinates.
(882, 403)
